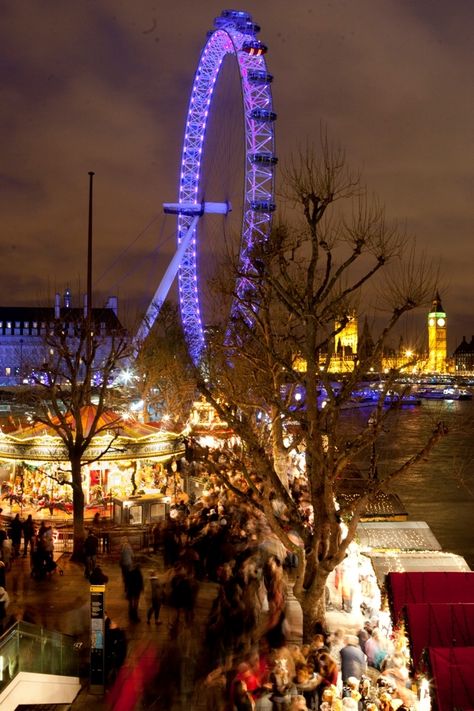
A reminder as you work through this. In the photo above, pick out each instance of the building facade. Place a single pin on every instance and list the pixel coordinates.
(345, 345)
(464, 357)
(437, 337)
(23, 332)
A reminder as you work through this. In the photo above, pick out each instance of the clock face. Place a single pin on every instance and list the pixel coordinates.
(441, 322)
(431, 322)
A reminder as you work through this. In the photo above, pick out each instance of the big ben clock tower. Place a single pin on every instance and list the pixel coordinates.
(437, 342)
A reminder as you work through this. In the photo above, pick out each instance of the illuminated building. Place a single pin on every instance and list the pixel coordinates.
(464, 356)
(437, 337)
(23, 331)
(345, 345)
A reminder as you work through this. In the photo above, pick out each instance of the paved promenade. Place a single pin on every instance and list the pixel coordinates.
(62, 603)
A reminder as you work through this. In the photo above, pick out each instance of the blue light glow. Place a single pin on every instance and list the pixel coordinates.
(235, 32)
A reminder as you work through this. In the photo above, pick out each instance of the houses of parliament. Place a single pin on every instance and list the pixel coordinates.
(349, 347)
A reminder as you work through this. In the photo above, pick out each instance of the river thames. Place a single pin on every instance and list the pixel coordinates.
(441, 490)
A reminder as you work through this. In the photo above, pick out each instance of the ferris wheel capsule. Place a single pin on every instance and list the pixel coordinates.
(254, 47)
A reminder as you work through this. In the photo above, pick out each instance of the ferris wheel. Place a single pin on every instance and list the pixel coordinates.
(234, 34)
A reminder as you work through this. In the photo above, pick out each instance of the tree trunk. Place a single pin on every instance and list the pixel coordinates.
(78, 505)
(313, 603)
(280, 456)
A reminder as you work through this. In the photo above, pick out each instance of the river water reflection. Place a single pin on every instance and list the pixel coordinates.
(441, 491)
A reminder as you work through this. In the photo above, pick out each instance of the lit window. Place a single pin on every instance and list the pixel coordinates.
(9, 324)
(8, 371)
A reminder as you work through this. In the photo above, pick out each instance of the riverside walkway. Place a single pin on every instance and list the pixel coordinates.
(62, 603)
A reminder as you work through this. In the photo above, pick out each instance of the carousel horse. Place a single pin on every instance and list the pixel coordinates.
(53, 505)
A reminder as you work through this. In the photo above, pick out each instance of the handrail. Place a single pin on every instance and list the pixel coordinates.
(26, 647)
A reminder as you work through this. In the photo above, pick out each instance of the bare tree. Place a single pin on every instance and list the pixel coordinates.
(161, 375)
(76, 364)
(303, 286)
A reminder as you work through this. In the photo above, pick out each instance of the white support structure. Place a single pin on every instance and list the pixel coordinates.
(196, 210)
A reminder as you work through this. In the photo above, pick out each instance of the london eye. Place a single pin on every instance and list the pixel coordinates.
(234, 34)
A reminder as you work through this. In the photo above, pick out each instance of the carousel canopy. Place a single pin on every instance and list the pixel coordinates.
(118, 438)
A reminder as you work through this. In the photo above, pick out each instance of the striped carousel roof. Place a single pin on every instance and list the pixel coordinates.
(108, 421)
(132, 439)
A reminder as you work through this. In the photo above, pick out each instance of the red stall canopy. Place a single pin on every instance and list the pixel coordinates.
(404, 588)
(453, 677)
(438, 625)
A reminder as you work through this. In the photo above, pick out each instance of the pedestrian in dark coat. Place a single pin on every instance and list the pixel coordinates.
(98, 577)
(115, 648)
(125, 560)
(29, 531)
(353, 659)
(134, 587)
(16, 528)
(184, 589)
(157, 593)
(91, 546)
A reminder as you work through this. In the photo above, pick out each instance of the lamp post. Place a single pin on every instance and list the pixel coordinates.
(89, 286)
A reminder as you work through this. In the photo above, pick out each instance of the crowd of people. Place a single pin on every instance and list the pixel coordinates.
(24, 535)
(251, 657)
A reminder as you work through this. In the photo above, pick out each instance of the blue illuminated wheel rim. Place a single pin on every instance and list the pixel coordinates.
(235, 34)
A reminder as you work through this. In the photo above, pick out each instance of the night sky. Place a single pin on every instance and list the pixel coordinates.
(103, 85)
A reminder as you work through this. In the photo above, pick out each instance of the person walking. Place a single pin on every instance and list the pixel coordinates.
(91, 545)
(4, 602)
(48, 543)
(157, 592)
(134, 588)
(353, 659)
(125, 560)
(98, 577)
(16, 529)
(6, 549)
(29, 531)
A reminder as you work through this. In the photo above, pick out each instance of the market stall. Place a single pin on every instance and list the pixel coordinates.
(438, 625)
(207, 429)
(452, 679)
(431, 587)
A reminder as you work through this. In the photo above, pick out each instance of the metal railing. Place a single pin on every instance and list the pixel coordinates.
(31, 648)
(110, 537)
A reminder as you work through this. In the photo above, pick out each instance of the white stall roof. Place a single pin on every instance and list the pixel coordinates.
(415, 561)
(399, 535)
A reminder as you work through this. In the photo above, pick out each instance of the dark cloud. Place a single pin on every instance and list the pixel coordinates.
(103, 85)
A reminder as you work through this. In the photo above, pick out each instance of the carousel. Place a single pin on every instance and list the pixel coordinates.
(125, 459)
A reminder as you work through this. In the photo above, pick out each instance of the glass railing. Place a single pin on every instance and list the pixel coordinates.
(31, 648)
